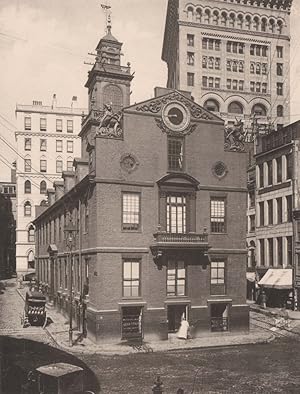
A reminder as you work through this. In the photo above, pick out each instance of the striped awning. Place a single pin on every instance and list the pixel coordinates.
(277, 279)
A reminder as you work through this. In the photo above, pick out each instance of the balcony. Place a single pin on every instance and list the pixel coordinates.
(190, 245)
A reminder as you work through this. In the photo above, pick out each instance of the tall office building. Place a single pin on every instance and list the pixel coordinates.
(233, 56)
(47, 142)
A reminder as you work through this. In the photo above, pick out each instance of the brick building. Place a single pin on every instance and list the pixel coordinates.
(233, 56)
(157, 199)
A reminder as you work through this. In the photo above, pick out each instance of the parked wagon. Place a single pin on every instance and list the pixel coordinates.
(35, 309)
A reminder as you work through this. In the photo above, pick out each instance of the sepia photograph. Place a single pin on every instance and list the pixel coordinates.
(149, 196)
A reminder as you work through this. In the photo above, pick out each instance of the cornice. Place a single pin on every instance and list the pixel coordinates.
(279, 5)
(39, 134)
(232, 30)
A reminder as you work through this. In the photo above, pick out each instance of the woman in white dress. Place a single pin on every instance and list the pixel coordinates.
(182, 333)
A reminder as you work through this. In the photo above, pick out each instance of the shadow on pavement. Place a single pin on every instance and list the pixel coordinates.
(20, 356)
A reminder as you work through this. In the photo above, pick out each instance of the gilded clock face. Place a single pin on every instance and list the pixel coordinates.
(176, 116)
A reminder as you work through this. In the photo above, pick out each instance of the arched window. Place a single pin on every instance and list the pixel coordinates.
(255, 23)
(259, 109)
(30, 260)
(240, 21)
(43, 203)
(190, 12)
(223, 19)
(264, 24)
(280, 111)
(113, 96)
(231, 20)
(248, 22)
(258, 68)
(272, 25)
(198, 14)
(27, 187)
(235, 108)
(43, 187)
(279, 26)
(215, 17)
(27, 209)
(207, 16)
(252, 68)
(212, 105)
(31, 234)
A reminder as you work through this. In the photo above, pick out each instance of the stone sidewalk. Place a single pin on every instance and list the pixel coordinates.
(58, 330)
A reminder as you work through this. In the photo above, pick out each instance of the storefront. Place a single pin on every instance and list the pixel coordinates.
(277, 284)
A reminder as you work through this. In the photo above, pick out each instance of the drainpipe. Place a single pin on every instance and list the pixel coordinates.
(80, 259)
(295, 206)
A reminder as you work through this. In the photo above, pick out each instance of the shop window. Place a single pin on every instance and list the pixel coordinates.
(131, 278)
(131, 211)
(176, 278)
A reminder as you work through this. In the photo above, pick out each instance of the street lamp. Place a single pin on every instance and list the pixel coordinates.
(70, 238)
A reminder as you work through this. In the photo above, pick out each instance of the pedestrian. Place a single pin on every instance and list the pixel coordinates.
(182, 333)
(263, 299)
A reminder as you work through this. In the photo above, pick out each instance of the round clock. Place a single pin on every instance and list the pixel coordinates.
(176, 116)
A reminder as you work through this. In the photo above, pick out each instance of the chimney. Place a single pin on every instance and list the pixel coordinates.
(54, 101)
(69, 180)
(74, 102)
(51, 196)
(81, 169)
(59, 189)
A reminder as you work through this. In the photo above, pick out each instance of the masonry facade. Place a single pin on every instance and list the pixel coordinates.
(156, 199)
(47, 142)
(233, 56)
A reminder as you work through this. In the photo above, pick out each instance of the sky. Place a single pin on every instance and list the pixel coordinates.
(44, 44)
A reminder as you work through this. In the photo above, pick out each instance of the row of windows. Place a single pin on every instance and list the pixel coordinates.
(258, 87)
(271, 211)
(27, 187)
(43, 145)
(235, 65)
(234, 84)
(271, 172)
(211, 62)
(43, 165)
(235, 20)
(278, 251)
(211, 82)
(8, 189)
(258, 68)
(43, 124)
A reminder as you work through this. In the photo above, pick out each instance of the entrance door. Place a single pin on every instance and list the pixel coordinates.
(219, 317)
(175, 315)
(132, 322)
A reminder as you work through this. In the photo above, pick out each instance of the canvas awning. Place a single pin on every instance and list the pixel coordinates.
(277, 279)
(250, 276)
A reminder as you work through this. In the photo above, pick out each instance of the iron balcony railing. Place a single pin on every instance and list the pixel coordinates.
(163, 237)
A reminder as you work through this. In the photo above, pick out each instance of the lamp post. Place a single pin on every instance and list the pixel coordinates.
(70, 238)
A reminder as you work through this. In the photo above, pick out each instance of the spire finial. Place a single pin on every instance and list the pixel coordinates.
(107, 9)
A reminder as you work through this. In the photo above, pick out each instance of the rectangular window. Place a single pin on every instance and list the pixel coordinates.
(59, 146)
(59, 166)
(264, 87)
(262, 252)
(70, 126)
(210, 82)
(241, 48)
(234, 84)
(261, 214)
(204, 81)
(261, 175)
(252, 223)
(210, 44)
(59, 125)
(279, 51)
(279, 69)
(176, 214)
(217, 45)
(279, 210)
(289, 208)
(217, 63)
(217, 83)
(69, 165)
(279, 251)
(190, 79)
(131, 278)
(70, 146)
(271, 254)
(289, 250)
(27, 144)
(289, 166)
(43, 124)
(217, 215)
(190, 40)
(27, 123)
(228, 84)
(270, 172)
(252, 49)
(176, 278)
(191, 58)
(204, 43)
(264, 51)
(43, 165)
(131, 211)
(252, 86)
(228, 46)
(43, 145)
(241, 85)
(270, 211)
(217, 277)
(279, 89)
(27, 165)
(175, 154)
(279, 169)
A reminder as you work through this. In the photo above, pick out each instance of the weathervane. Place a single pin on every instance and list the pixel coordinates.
(107, 9)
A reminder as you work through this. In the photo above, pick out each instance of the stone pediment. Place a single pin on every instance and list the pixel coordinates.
(156, 106)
